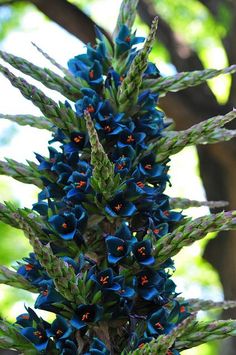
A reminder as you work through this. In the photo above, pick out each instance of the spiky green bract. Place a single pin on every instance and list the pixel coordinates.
(184, 80)
(67, 87)
(104, 180)
(184, 203)
(186, 234)
(52, 61)
(21, 172)
(196, 304)
(60, 115)
(129, 89)
(34, 121)
(10, 338)
(205, 132)
(204, 332)
(12, 278)
(61, 273)
(127, 14)
(163, 343)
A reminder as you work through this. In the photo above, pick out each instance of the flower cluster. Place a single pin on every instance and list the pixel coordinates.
(108, 242)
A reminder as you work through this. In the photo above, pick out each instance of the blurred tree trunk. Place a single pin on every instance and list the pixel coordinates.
(217, 162)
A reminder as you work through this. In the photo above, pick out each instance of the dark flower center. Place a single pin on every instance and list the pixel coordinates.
(148, 167)
(159, 326)
(29, 267)
(107, 129)
(120, 248)
(141, 251)
(156, 231)
(78, 139)
(80, 184)
(90, 108)
(127, 39)
(44, 293)
(104, 280)
(130, 139)
(166, 213)
(91, 74)
(144, 280)
(38, 334)
(59, 332)
(85, 316)
(140, 184)
(118, 207)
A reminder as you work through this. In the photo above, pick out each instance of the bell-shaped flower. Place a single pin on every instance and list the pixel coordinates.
(64, 224)
(158, 323)
(60, 331)
(125, 40)
(148, 167)
(105, 280)
(143, 252)
(120, 207)
(129, 138)
(90, 102)
(78, 141)
(86, 314)
(48, 295)
(149, 284)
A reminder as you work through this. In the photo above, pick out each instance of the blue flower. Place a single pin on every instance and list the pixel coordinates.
(142, 252)
(148, 167)
(68, 347)
(78, 142)
(86, 314)
(37, 336)
(125, 40)
(129, 138)
(158, 323)
(48, 295)
(149, 284)
(105, 280)
(90, 102)
(32, 270)
(64, 225)
(118, 206)
(60, 330)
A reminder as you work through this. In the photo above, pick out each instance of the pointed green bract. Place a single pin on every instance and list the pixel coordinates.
(68, 88)
(163, 343)
(34, 121)
(103, 179)
(184, 203)
(60, 115)
(129, 88)
(205, 132)
(170, 244)
(10, 338)
(183, 80)
(126, 15)
(21, 172)
(204, 332)
(62, 274)
(12, 278)
(196, 304)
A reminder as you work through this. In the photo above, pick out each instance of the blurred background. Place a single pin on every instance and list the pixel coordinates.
(193, 34)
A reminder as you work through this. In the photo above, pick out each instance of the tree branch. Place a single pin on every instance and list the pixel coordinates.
(70, 17)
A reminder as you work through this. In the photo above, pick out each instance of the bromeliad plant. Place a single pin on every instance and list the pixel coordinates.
(103, 232)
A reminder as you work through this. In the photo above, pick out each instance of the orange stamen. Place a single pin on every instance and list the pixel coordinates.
(85, 316)
(29, 267)
(144, 280)
(64, 225)
(91, 74)
(140, 184)
(80, 184)
(104, 279)
(78, 139)
(148, 167)
(90, 108)
(142, 251)
(120, 248)
(130, 139)
(118, 207)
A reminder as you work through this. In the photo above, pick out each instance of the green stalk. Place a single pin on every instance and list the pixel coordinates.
(184, 203)
(184, 80)
(186, 234)
(34, 121)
